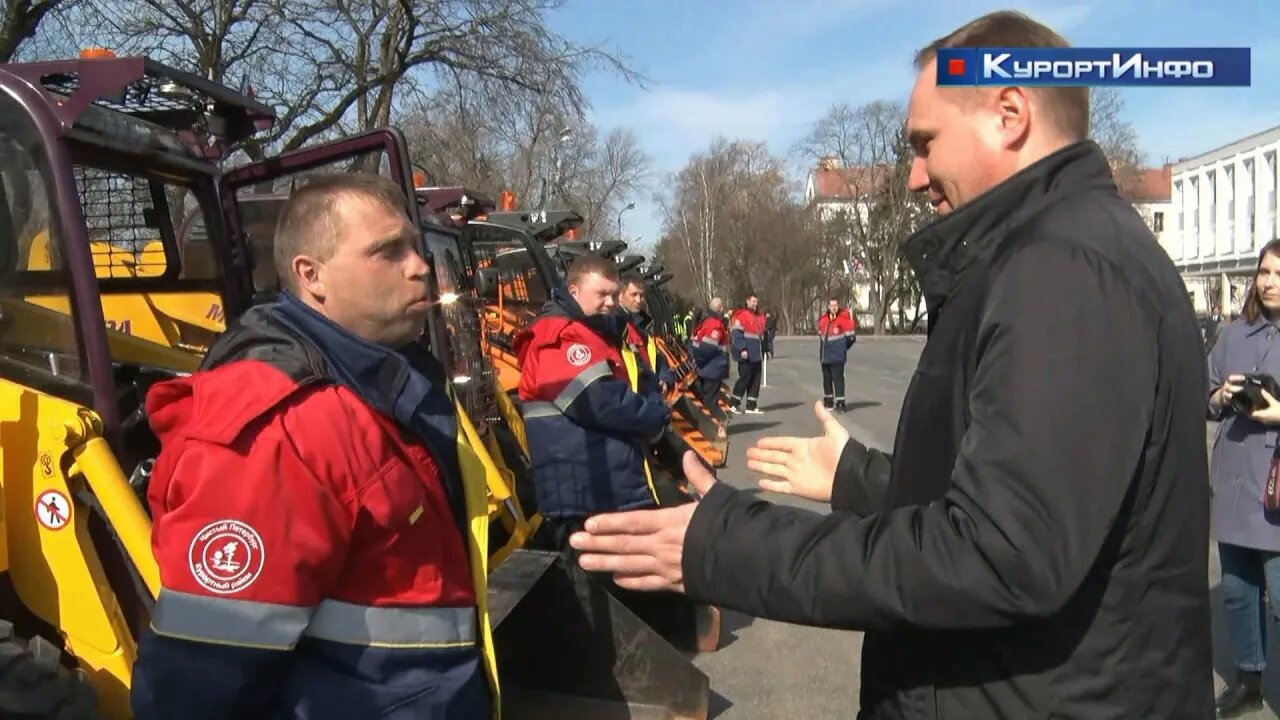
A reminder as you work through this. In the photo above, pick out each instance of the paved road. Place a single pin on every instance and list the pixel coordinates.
(771, 670)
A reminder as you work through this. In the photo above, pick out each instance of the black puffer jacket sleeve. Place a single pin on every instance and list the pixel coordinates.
(861, 478)
(1041, 475)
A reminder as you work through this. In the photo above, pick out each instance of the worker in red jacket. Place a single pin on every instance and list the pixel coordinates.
(709, 346)
(747, 330)
(587, 429)
(310, 522)
(590, 434)
(836, 334)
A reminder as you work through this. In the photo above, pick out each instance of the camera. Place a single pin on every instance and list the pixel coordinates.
(1249, 398)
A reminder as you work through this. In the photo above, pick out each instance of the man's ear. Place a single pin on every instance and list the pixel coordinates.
(309, 273)
(1014, 106)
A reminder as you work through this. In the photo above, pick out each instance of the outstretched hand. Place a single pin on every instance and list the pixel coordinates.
(644, 549)
(804, 467)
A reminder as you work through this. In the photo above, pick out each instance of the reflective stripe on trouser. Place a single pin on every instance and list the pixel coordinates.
(245, 623)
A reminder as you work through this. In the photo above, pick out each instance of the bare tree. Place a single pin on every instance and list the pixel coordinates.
(332, 67)
(1117, 138)
(863, 158)
(618, 172)
(697, 196)
(21, 18)
(542, 152)
(377, 45)
(733, 225)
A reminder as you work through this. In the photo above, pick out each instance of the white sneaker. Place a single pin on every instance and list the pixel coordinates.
(755, 411)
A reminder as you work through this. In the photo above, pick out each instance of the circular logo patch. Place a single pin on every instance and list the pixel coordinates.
(53, 509)
(578, 354)
(226, 556)
(715, 334)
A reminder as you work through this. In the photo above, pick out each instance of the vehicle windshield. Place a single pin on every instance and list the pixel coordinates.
(522, 286)
(38, 342)
(150, 297)
(258, 207)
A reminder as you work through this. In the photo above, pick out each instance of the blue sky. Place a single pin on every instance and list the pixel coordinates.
(766, 69)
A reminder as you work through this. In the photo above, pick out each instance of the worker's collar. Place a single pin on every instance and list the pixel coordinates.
(611, 326)
(408, 385)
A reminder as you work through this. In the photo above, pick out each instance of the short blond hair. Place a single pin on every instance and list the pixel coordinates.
(311, 219)
(1066, 108)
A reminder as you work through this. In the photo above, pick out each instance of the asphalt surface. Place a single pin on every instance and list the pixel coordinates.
(767, 669)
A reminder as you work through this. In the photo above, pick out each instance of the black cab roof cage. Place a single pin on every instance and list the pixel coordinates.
(628, 263)
(545, 225)
(208, 117)
(466, 203)
(603, 248)
(650, 270)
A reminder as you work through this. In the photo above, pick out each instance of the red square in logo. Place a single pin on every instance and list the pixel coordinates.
(955, 66)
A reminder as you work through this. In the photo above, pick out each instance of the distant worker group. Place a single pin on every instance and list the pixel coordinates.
(747, 335)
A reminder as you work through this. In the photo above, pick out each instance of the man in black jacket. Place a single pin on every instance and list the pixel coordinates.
(1037, 546)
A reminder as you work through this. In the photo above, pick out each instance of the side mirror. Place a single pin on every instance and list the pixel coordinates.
(487, 282)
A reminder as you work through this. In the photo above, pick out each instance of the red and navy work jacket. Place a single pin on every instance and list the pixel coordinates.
(835, 336)
(311, 558)
(747, 328)
(709, 346)
(587, 429)
(640, 339)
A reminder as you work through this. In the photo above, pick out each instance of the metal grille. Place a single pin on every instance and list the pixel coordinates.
(521, 291)
(148, 94)
(123, 223)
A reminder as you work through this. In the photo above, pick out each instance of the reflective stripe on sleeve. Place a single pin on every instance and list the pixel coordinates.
(575, 387)
(224, 621)
(538, 409)
(405, 627)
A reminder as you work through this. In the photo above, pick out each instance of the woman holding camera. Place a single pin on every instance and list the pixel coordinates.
(1246, 523)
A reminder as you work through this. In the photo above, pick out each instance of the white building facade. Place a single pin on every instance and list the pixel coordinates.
(1223, 210)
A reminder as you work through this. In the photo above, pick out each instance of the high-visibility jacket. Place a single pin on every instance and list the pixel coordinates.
(642, 342)
(747, 329)
(586, 425)
(320, 554)
(684, 325)
(835, 335)
(709, 346)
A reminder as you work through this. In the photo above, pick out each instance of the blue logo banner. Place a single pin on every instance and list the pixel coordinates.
(1153, 67)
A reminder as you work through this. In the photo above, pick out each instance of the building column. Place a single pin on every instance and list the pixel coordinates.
(1224, 295)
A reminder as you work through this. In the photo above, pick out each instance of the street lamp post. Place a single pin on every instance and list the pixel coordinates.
(630, 206)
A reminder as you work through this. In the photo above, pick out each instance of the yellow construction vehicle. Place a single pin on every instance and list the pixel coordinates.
(100, 158)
